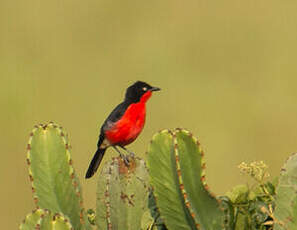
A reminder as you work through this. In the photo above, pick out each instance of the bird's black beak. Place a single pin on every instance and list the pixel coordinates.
(154, 89)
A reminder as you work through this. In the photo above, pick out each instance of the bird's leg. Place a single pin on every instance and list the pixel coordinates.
(123, 156)
(131, 153)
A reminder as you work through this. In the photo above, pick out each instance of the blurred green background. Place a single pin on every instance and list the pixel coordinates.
(227, 70)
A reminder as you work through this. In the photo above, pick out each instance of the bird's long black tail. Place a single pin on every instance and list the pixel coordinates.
(95, 162)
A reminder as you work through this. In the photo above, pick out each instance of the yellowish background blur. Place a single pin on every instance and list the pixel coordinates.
(227, 70)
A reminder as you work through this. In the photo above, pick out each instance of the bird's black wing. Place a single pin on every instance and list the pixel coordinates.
(115, 115)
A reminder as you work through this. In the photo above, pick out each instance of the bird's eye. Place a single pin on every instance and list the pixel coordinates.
(144, 89)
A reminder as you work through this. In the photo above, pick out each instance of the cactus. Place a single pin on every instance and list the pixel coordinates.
(122, 195)
(176, 168)
(44, 219)
(178, 199)
(55, 185)
(285, 214)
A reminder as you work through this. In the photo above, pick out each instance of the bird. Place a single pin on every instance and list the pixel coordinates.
(124, 124)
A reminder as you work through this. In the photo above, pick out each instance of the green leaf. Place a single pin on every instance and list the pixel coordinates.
(239, 194)
(242, 222)
(228, 209)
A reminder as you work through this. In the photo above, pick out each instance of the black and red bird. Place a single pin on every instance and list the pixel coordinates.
(124, 124)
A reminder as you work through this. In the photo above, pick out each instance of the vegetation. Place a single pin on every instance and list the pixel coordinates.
(169, 193)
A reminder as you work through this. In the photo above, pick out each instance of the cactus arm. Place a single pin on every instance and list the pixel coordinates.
(163, 175)
(189, 160)
(45, 220)
(285, 214)
(122, 195)
(177, 175)
(60, 222)
(33, 219)
(55, 185)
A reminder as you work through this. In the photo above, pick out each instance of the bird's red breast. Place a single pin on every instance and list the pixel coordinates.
(127, 129)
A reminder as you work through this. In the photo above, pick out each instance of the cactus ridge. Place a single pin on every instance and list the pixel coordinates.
(146, 153)
(162, 131)
(285, 215)
(42, 218)
(35, 198)
(203, 163)
(181, 183)
(154, 139)
(107, 195)
(71, 172)
(31, 218)
(186, 195)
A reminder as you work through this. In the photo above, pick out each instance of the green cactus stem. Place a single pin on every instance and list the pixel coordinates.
(122, 195)
(45, 220)
(176, 168)
(285, 214)
(55, 185)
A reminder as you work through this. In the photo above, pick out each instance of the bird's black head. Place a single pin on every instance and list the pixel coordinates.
(135, 92)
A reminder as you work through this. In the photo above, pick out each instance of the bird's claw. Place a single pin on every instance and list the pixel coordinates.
(132, 155)
(125, 159)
